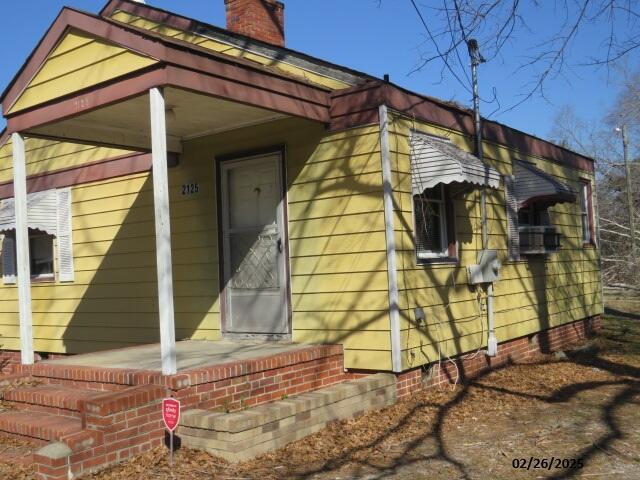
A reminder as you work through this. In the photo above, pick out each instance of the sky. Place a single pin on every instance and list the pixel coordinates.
(377, 38)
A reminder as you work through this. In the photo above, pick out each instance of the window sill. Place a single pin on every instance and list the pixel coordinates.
(438, 260)
(44, 279)
(589, 245)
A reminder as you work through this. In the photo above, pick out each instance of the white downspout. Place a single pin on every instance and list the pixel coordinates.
(392, 272)
(492, 342)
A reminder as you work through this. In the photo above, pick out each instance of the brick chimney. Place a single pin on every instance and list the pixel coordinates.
(259, 19)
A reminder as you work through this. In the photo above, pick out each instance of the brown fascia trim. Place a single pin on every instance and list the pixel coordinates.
(247, 94)
(165, 50)
(161, 75)
(87, 173)
(186, 54)
(66, 19)
(359, 106)
(87, 100)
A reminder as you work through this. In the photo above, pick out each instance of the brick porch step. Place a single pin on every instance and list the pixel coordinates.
(51, 398)
(246, 434)
(38, 425)
(109, 379)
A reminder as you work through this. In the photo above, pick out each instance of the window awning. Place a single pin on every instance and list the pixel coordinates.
(42, 212)
(534, 185)
(438, 160)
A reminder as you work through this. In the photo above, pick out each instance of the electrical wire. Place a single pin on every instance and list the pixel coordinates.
(443, 57)
(437, 47)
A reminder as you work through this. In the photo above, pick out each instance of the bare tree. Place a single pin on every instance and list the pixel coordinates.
(495, 24)
(601, 141)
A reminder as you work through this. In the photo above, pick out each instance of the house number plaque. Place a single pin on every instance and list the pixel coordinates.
(190, 188)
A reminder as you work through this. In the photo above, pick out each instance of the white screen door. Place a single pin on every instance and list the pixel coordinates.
(253, 246)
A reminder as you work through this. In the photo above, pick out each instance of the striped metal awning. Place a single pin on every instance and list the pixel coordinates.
(437, 160)
(535, 185)
(42, 212)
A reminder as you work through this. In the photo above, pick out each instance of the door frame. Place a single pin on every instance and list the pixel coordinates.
(219, 160)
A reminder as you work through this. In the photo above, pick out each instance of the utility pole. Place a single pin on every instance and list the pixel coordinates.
(477, 59)
(627, 166)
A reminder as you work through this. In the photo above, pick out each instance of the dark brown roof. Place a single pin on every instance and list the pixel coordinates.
(276, 52)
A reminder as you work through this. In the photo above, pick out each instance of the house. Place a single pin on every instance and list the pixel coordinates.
(164, 179)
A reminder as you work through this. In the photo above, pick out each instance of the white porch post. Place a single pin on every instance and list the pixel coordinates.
(163, 231)
(23, 269)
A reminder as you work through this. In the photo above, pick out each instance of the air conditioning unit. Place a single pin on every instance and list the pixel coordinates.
(539, 240)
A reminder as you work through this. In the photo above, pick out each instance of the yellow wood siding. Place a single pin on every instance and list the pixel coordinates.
(79, 61)
(336, 231)
(113, 300)
(338, 263)
(44, 156)
(533, 294)
(337, 247)
(221, 47)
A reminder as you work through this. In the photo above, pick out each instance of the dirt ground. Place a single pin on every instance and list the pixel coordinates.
(581, 410)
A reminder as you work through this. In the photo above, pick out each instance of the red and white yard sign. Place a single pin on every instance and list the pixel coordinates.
(171, 413)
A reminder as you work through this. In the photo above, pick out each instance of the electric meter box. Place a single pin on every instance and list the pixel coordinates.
(487, 270)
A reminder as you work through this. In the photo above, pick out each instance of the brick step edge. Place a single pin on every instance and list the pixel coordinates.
(48, 427)
(274, 411)
(61, 399)
(102, 378)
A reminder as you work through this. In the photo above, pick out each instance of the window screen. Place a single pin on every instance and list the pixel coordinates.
(430, 224)
(41, 254)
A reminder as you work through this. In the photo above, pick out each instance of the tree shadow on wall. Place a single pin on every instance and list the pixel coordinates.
(114, 298)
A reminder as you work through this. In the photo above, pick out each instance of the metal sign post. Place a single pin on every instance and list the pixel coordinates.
(171, 418)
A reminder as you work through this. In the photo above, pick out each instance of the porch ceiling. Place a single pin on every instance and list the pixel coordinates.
(127, 123)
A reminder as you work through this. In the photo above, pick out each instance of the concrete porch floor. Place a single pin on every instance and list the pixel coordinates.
(190, 354)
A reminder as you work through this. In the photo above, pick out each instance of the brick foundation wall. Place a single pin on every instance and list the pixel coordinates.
(304, 374)
(513, 351)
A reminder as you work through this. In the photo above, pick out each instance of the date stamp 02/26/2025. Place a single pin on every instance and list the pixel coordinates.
(533, 463)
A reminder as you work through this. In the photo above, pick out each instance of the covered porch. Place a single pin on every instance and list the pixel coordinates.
(179, 94)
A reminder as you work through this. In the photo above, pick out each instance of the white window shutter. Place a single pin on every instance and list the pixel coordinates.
(513, 235)
(65, 241)
(8, 260)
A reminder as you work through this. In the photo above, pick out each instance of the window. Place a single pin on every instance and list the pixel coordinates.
(48, 216)
(432, 214)
(536, 234)
(585, 212)
(40, 254)
(533, 215)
